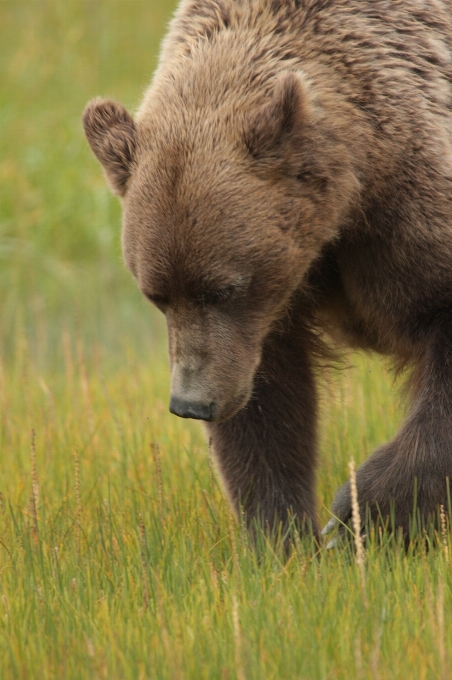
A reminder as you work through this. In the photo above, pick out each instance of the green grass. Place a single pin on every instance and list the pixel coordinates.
(119, 557)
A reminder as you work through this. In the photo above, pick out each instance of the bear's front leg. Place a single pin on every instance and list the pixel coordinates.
(267, 452)
(405, 482)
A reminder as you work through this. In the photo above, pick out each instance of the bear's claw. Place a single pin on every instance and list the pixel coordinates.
(330, 526)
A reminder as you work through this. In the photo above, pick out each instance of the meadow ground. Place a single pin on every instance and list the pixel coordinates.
(119, 557)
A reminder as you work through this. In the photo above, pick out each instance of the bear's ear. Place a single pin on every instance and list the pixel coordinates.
(111, 133)
(276, 122)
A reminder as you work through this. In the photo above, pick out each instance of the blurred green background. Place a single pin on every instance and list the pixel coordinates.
(60, 257)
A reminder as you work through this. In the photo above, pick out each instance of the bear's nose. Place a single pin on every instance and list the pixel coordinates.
(191, 409)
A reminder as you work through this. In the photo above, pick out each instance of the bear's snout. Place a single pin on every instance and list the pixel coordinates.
(192, 409)
(200, 394)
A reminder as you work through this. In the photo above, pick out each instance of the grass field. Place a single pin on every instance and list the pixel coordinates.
(119, 557)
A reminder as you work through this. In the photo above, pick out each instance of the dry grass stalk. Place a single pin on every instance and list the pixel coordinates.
(211, 468)
(375, 656)
(214, 576)
(143, 562)
(429, 601)
(85, 385)
(235, 552)
(237, 639)
(298, 548)
(436, 620)
(356, 521)
(444, 662)
(160, 599)
(78, 500)
(34, 496)
(155, 449)
(358, 657)
(90, 647)
(443, 519)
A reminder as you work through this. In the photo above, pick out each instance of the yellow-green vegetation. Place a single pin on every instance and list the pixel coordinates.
(119, 557)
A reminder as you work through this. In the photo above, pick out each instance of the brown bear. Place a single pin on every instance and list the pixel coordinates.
(288, 178)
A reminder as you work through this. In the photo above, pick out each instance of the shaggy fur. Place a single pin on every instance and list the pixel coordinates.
(289, 173)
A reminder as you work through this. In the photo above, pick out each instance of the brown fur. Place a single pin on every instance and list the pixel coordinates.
(289, 173)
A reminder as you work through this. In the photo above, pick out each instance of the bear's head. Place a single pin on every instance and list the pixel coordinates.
(226, 205)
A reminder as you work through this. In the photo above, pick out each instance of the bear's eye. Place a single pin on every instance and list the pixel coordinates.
(215, 297)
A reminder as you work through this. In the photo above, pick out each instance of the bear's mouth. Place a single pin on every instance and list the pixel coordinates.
(231, 408)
